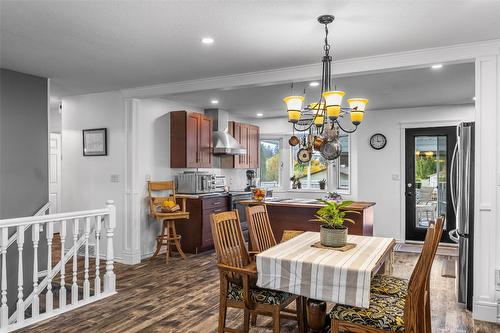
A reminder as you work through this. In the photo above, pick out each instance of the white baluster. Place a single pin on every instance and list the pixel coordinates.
(4, 313)
(97, 282)
(20, 303)
(49, 297)
(62, 290)
(74, 286)
(109, 277)
(35, 305)
(86, 283)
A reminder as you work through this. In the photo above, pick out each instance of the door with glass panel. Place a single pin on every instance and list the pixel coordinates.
(427, 188)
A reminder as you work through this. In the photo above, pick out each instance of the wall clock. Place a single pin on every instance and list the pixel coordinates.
(378, 141)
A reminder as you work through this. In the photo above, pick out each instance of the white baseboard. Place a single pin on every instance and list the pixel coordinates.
(129, 258)
(486, 311)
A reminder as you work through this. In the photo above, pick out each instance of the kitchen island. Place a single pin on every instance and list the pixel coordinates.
(295, 214)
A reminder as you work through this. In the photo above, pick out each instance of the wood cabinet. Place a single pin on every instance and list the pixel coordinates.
(248, 136)
(190, 140)
(196, 231)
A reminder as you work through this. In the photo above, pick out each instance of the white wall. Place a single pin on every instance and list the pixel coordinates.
(86, 179)
(372, 170)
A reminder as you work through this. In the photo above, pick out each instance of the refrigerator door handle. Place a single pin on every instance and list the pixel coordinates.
(454, 235)
(452, 176)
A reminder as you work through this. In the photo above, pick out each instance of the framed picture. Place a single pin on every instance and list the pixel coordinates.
(95, 142)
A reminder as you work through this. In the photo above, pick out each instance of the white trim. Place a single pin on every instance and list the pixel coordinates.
(486, 311)
(466, 52)
(403, 126)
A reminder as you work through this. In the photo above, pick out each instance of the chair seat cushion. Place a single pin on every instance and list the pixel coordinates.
(389, 285)
(258, 295)
(385, 312)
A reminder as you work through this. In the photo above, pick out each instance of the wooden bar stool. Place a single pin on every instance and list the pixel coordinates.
(168, 236)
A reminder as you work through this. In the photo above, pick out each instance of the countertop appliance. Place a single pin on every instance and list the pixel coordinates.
(462, 195)
(251, 180)
(193, 182)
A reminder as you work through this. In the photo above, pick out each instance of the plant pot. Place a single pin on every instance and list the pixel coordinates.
(322, 186)
(333, 237)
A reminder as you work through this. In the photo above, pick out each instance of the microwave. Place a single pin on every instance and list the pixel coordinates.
(191, 182)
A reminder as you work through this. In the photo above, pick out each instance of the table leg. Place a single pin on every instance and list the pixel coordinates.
(316, 315)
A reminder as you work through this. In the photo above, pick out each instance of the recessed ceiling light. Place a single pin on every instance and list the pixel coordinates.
(437, 66)
(314, 84)
(207, 40)
(214, 101)
(474, 98)
(260, 114)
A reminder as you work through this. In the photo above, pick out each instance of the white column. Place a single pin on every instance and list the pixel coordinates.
(109, 277)
(35, 305)
(49, 296)
(4, 312)
(62, 290)
(20, 303)
(74, 286)
(97, 282)
(86, 283)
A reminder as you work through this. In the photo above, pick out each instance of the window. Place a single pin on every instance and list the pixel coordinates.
(343, 164)
(309, 174)
(318, 169)
(270, 162)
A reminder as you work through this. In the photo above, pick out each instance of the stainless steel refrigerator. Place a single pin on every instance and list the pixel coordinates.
(462, 195)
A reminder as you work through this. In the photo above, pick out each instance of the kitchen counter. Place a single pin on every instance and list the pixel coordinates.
(201, 195)
(307, 203)
(295, 214)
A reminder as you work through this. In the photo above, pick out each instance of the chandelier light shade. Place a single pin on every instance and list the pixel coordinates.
(333, 101)
(358, 106)
(294, 107)
(327, 111)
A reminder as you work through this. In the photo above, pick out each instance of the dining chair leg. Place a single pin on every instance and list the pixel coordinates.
(246, 320)
(427, 312)
(177, 240)
(167, 253)
(222, 306)
(276, 319)
(159, 242)
(335, 326)
(253, 319)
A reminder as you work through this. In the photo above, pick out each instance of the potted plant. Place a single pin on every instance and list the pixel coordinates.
(299, 184)
(322, 184)
(296, 184)
(333, 232)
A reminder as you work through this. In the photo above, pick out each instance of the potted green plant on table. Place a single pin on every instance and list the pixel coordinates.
(333, 232)
(322, 184)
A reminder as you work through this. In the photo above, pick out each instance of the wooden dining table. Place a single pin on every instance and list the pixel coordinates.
(302, 267)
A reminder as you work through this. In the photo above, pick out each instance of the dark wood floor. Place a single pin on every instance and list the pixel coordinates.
(183, 297)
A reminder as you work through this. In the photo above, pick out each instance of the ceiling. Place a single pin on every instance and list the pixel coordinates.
(452, 84)
(91, 46)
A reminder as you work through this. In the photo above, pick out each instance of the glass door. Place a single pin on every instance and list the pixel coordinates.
(428, 159)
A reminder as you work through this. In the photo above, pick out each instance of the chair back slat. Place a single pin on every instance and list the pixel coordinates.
(160, 191)
(259, 228)
(228, 239)
(416, 297)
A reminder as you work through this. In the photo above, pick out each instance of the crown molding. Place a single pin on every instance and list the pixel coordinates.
(385, 62)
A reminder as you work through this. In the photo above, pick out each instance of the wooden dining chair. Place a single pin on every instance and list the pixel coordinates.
(160, 191)
(259, 228)
(238, 275)
(395, 286)
(393, 313)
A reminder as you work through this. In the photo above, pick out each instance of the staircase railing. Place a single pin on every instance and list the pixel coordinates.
(93, 223)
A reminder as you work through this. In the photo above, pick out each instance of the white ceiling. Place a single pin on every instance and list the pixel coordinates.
(90, 46)
(452, 84)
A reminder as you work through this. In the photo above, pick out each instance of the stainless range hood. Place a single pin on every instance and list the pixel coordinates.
(223, 142)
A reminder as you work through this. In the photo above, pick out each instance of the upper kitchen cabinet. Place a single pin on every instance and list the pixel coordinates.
(190, 140)
(248, 136)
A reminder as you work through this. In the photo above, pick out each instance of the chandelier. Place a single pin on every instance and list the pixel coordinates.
(323, 117)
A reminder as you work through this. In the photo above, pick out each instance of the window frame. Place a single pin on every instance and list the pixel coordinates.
(280, 139)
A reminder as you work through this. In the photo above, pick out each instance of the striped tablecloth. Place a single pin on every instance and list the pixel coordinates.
(322, 274)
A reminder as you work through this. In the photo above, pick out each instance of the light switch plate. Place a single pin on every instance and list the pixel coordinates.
(114, 178)
(395, 177)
